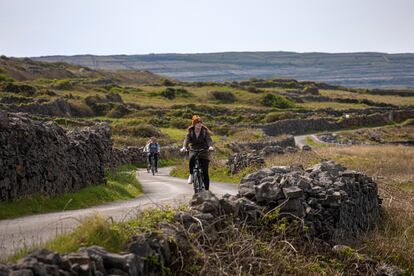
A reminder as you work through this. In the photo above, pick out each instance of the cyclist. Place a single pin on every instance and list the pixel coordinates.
(152, 149)
(198, 138)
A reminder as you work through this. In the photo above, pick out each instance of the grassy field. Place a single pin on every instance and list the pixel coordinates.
(121, 185)
(395, 100)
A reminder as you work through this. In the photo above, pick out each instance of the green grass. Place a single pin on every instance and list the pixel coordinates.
(97, 230)
(121, 185)
(175, 134)
(217, 171)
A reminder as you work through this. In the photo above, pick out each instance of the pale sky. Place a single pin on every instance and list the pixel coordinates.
(103, 27)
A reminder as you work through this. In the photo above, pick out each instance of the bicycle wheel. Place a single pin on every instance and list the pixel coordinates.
(153, 165)
(198, 181)
(201, 186)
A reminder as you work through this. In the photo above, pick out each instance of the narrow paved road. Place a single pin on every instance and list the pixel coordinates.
(160, 189)
(301, 140)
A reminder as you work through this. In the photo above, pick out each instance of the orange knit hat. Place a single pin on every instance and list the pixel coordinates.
(196, 119)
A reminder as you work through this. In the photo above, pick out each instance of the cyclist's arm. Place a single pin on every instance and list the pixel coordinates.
(209, 140)
(158, 148)
(146, 148)
(186, 141)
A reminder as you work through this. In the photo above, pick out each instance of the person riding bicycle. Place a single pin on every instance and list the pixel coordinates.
(198, 138)
(152, 148)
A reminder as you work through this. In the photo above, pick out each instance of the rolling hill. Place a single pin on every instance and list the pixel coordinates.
(369, 69)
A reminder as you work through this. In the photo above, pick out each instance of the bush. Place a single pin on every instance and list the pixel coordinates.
(278, 101)
(80, 109)
(222, 130)
(118, 111)
(179, 123)
(168, 93)
(172, 93)
(276, 116)
(253, 89)
(25, 89)
(167, 82)
(223, 96)
(4, 78)
(99, 105)
(63, 84)
(311, 90)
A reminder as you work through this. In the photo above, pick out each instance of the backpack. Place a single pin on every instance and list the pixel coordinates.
(153, 147)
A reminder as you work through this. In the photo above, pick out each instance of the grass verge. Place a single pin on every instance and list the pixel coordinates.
(217, 170)
(97, 230)
(121, 185)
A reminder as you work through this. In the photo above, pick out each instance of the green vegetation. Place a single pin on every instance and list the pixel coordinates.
(277, 101)
(113, 236)
(121, 185)
(172, 93)
(217, 171)
(5, 78)
(223, 96)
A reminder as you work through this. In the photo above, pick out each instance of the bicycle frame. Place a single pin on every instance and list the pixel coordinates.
(151, 165)
(198, 181)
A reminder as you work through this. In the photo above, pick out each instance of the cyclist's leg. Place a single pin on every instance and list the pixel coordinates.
(206, 179)
(148, 162)
(191, 165)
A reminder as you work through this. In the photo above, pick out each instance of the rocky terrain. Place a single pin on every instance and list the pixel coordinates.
(333, 203)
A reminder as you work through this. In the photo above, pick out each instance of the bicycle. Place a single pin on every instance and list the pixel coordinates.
(151, 165)
(198, 181)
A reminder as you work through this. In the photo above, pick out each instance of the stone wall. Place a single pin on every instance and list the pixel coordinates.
(41, 157)
(303, 126)
(335, 203)
(332, 203)
(38, 157)
(284, 142)
(58, 107)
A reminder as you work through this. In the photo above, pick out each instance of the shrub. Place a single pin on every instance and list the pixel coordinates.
(80, 109)
(5, 78)
(99, 105)
(253, 89)
(222, 130)
(278, 101)
(179, 123)
(167, 82)
(168, 93)
(311, 90)
(276, 116)
(63, 84)
(171, 93)
(25, 89)
(118, 111)
(223, 96)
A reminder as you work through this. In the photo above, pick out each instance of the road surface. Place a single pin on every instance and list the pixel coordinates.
(160, 189)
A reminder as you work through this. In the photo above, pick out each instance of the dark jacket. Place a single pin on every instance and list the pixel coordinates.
(203, 141)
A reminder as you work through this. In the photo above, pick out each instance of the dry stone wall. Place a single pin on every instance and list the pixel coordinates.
(303, 126)
(38, 157)
(41, 157)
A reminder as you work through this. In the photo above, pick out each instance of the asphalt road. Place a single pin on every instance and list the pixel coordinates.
(159, 190)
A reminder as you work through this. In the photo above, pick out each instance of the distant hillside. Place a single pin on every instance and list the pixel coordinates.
(23, 69)
(352, 69)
